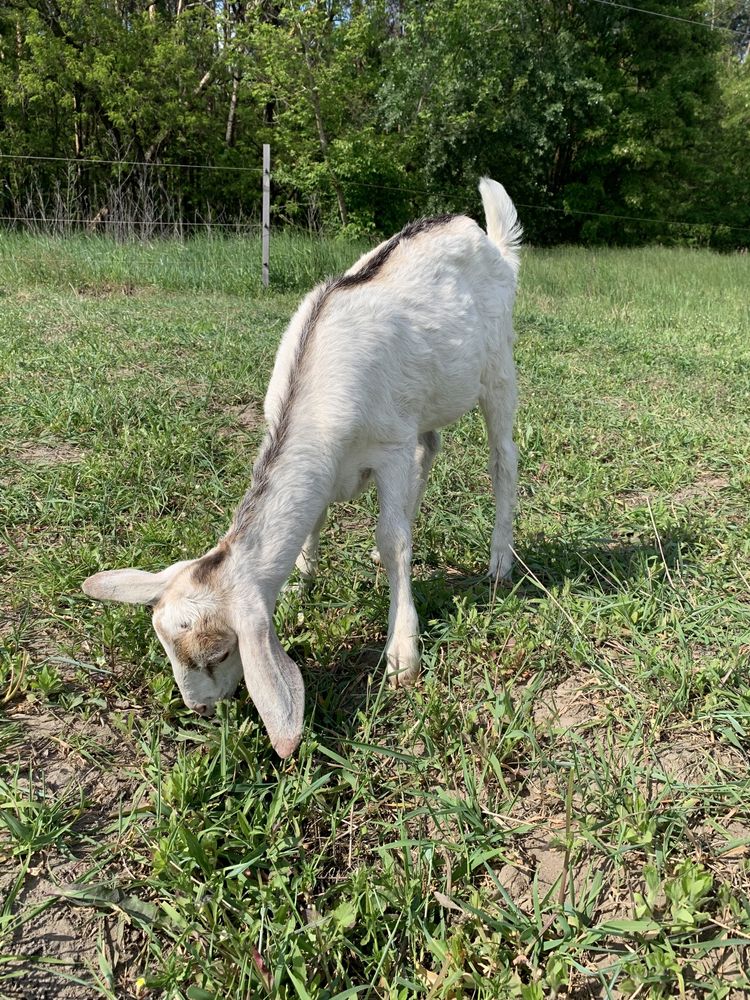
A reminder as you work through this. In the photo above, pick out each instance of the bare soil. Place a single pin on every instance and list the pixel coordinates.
(60, 948)
(59, 453)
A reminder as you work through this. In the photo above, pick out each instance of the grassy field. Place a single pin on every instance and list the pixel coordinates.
(560, 807)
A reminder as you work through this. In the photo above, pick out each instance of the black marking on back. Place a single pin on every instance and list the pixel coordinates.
(375, 264)
(275, 439)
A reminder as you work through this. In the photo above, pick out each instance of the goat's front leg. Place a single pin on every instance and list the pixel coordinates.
(428, 446)
(396, 485)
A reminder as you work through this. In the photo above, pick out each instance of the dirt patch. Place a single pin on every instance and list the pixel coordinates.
(544, 851)
(61, 761)
(728, 964)
(636, 498)
(132, 371)
(56, 935)
(57, 951)
(691, 760)
(541, 857)
(628, 407)
(577, 702)
(705, 486)
(105, 289)
(74, 756)
(47, 455)
(242, 418)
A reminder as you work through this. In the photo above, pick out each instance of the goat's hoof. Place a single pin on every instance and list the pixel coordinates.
(501, 566)
(375, 556)
(298, 587)
(403, 671)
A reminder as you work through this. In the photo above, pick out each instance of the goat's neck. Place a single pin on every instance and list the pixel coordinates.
(276, 515)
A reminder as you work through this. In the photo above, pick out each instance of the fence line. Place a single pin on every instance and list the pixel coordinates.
(257, 227)
(634, 218)
(668, 17)
(180, 224)
(343, 180)
(128, 163)
(93, 223)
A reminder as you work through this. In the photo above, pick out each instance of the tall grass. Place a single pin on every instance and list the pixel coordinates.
(206, 262)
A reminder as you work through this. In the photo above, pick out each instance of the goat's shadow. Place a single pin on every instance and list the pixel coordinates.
(355, 677)
(605, 565)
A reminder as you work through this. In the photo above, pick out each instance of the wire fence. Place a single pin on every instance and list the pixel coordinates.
(140, 199)
(665, 16)
(126, 198)
(152, 164)
(60, 224)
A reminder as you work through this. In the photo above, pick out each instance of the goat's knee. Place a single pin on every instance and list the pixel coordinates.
(393, 544)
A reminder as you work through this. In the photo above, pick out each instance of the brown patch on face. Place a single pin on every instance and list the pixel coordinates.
(184, 646)
(205, 568)
(204, 645)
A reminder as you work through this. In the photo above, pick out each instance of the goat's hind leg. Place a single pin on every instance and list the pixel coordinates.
(498, 403)
(397, 482)
(428, 445)
(307, 560)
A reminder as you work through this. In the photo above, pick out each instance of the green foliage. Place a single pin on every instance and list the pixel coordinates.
(378, 111)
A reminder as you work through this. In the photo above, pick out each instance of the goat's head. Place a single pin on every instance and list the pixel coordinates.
(212, 636)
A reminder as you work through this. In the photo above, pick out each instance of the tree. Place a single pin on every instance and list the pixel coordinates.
(592, 114)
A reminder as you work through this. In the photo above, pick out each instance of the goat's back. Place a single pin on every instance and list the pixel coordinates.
(399, 343)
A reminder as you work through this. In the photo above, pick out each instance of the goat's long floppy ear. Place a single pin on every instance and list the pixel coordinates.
(275, 685)
(130, 586)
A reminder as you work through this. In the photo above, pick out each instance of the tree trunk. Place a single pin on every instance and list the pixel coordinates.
(232, 116)
(77, 123)
(153, 149)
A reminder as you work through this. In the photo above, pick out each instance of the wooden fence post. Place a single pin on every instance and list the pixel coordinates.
(266, 212)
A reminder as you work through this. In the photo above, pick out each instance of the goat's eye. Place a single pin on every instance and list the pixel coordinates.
(221, 659)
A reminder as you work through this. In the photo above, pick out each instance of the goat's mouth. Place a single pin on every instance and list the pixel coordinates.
(204, 709)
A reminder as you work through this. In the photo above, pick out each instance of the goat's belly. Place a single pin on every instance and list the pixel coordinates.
(441, 411)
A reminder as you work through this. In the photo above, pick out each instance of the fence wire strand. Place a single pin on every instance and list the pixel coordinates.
(238, 226)
(668, 17)
(130, 163)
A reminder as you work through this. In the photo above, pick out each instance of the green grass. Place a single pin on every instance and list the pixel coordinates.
(95, 265)
(561, 806)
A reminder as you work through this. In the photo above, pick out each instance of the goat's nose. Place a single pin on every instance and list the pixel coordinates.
(202, 710)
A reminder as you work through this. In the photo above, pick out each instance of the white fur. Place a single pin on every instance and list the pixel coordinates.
(389, 362)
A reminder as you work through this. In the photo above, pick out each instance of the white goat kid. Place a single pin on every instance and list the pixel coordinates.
(415, 334)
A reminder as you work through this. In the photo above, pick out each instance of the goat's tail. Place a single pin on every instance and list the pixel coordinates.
(503, 227)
